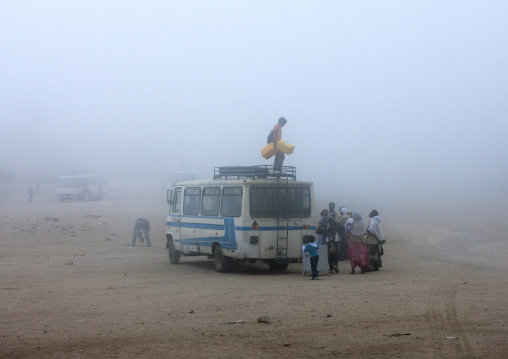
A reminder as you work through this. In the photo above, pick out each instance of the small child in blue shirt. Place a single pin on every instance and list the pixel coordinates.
(312, 249)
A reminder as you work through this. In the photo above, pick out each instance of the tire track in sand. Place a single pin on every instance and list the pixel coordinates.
(443, 322)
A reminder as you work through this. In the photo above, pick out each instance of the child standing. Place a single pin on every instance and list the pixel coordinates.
(312, 249)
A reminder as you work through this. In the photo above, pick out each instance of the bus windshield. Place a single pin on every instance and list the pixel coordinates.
(67, 182)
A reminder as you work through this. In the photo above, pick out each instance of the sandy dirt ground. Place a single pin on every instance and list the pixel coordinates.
(71, 287)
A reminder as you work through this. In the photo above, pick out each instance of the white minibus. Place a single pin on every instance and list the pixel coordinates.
(81, 187)
(244, 214)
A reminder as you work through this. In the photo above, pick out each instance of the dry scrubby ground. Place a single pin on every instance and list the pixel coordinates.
(75, 289)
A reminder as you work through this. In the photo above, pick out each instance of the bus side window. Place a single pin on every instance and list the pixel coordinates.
(210, 203)
(177, 200)
(231, 202)
(191, 200)
(263, 201)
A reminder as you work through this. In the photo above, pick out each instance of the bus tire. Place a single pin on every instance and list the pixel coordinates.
(273, 265)
(233, 265)
(222, 263)
(174, 255)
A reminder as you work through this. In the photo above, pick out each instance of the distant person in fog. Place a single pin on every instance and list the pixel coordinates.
(30, 191)
(141, 225)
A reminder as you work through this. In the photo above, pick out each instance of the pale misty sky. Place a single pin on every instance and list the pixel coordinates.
(376, 93)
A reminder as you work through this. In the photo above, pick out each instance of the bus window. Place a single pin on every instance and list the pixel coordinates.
(177, 200)
(191, 200)
(231, 202)
(263, 202)
(210, 203)
(300, 202)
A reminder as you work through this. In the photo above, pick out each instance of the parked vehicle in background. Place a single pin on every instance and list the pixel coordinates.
(81, 187)
(243, 214)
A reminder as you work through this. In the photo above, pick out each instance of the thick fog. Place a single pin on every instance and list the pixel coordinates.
(379, 95)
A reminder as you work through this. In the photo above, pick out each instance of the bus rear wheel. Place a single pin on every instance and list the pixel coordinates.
(222, 263)
(174, 255)
(273, 265)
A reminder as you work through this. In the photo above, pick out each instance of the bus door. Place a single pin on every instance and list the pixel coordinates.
(175, 221)
(190, 221)
(295, 235)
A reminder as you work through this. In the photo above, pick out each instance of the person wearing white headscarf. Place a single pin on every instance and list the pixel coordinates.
(345, 214)
(355, 233)
(375, 240)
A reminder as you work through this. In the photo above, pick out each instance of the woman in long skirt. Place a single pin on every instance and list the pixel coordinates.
(355, 232)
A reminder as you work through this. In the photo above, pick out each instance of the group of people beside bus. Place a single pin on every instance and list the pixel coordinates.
(346, 237)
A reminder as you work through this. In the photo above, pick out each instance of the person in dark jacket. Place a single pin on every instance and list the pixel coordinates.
(322, 226)
(276, 135)
(141, 225)
(333, 247)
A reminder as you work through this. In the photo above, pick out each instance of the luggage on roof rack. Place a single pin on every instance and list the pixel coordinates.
(261, 171)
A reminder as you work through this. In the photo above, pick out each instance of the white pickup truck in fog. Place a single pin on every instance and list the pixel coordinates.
(82, 188)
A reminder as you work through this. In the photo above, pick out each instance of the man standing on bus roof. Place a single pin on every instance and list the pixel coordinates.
(141, 225)
(277, 136)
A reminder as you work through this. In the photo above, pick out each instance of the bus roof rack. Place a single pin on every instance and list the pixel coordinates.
(261, 171)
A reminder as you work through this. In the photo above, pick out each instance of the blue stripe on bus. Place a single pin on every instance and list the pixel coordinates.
(228, 241)
(274, 228)
(220, 227)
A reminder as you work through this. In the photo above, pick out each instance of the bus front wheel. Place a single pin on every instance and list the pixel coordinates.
(174, 255)
(222, 263)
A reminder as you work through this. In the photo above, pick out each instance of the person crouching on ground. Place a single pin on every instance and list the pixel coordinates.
(141, 225)
(312, 249)
(355, 230)
(375, 240)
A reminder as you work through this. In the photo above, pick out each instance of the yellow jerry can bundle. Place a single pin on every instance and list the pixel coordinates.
(285, 147)
(268, 151)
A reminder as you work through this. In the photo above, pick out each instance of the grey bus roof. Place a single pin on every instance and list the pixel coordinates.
(260, 171)
(237, 182)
